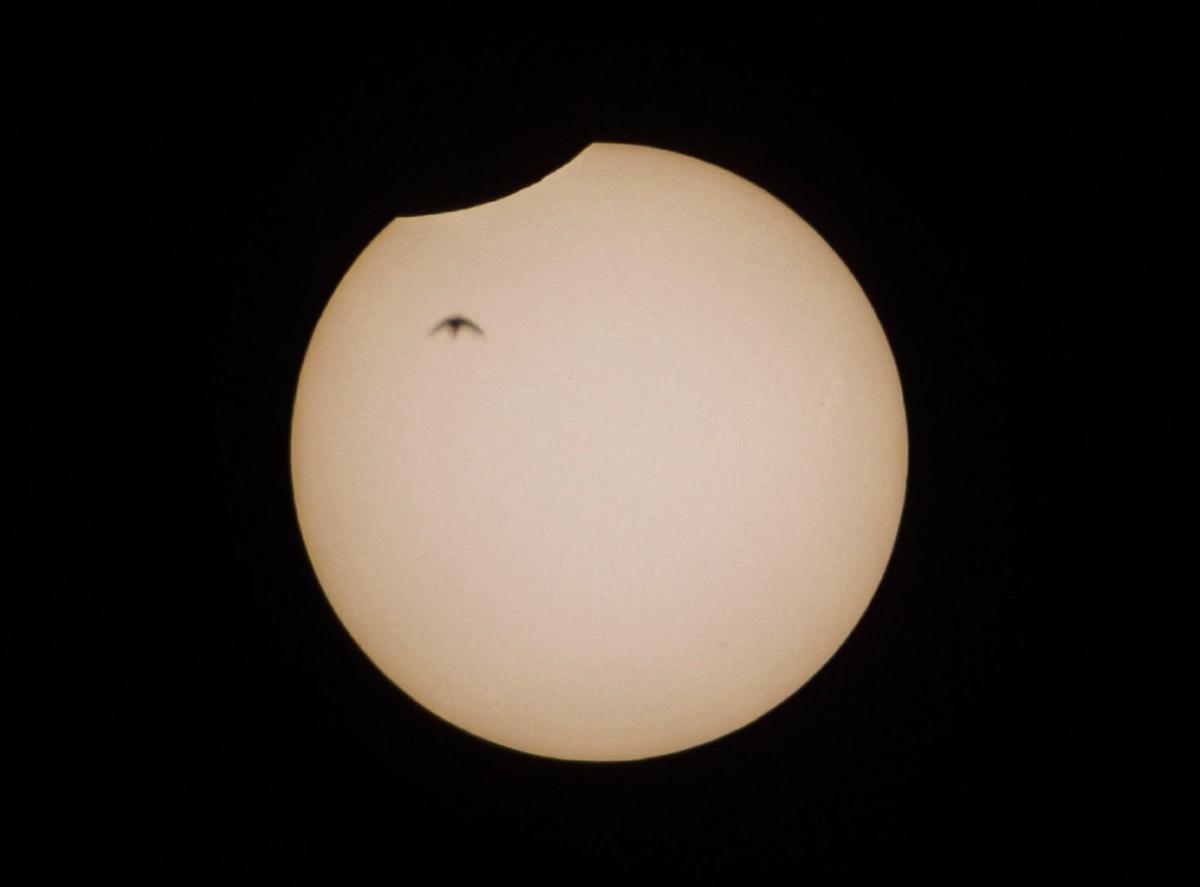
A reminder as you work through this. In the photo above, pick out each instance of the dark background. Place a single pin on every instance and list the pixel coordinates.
(187, 704)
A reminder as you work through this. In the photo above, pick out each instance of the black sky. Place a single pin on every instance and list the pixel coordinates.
(188, 703)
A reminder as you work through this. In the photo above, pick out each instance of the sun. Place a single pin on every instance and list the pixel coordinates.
(606, 469)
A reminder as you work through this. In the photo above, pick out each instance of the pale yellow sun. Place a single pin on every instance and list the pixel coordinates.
(642, 497)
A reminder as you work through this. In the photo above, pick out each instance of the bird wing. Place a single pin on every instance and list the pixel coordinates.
(454, 323)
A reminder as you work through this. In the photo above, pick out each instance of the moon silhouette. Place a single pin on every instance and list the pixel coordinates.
(658, 502)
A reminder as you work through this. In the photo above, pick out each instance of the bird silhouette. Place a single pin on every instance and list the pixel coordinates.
(455, 323)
